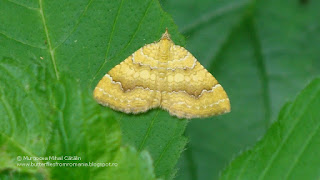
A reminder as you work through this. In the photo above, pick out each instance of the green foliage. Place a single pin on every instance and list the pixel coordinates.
(262, 52)
(43, 117)
(290, 148)
(160, 134)
(53, 53)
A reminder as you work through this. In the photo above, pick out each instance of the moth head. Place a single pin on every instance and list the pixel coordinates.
(165, 35)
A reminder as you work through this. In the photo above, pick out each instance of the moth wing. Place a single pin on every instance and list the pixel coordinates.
(121, 89)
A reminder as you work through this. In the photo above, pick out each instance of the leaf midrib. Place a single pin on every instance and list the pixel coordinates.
(51, 50)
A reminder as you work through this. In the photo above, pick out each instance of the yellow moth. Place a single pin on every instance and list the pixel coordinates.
(164, 75)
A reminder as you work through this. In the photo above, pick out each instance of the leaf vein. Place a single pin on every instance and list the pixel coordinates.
(212, 15)
(22, 87)
(136, 30)
(163, 151)
(148, 131)
(9, 110)
(22, 5)
(62, 128)
(51, 50)
(19, 145)
(21, 42)
(307, 143)
(243, 167)
(110, 39)
(263, 71)
(76, 25)
(279, 147)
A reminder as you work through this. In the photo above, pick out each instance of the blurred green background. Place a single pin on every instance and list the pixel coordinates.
(262, 52)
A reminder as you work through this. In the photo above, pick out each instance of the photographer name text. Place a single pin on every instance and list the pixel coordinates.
(48, 158)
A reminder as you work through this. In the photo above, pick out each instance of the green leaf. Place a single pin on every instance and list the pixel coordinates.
(209, 26)
(130, 165)
(160, 134)
(84, 39)
(262, 52)
(290, 149)
(45, 117)
(229, 53)
(288, 46)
